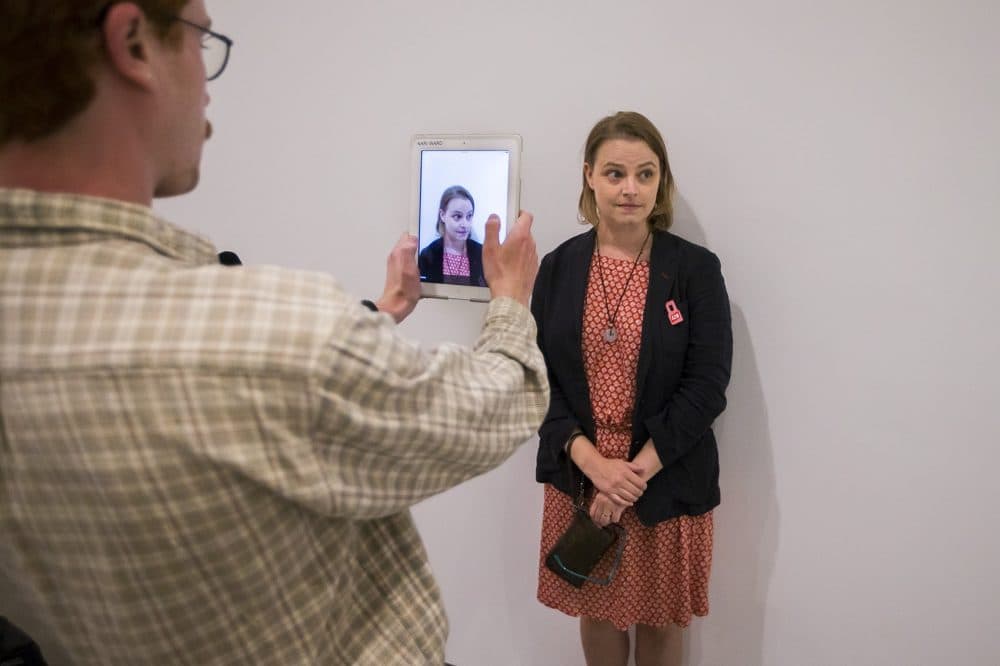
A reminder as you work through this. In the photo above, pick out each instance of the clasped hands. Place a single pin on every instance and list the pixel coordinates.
(618, 484)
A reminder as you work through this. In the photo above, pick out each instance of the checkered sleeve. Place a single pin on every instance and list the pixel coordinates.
(398, 424)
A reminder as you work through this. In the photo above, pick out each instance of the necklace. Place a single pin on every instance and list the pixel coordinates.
(611, 333)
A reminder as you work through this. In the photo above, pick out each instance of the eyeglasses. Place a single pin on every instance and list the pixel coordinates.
(214, 49)
(214, 46)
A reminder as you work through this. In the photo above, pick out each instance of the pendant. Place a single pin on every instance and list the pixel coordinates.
(610, 334)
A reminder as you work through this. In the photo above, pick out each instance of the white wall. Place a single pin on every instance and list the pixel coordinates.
(840, 157)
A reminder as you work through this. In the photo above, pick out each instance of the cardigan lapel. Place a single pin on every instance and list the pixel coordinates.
(663, 260)
(577, 269)
(579, 272)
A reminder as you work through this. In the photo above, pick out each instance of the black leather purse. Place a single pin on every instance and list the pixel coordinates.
(582, 546)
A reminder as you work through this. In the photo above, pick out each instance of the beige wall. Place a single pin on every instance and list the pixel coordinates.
(840, 157)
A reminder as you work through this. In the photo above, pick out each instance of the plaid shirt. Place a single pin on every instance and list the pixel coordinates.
(213, 465)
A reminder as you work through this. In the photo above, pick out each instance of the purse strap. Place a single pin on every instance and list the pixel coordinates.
(614, 527)
(578, 504)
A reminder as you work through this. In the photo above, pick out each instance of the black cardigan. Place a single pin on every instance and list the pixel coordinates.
(431, 262)
(682, 372)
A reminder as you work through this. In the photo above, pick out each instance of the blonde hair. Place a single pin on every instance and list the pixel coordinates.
(453, 192)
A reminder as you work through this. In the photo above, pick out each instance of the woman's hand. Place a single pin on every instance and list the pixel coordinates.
(620, 480)
(604, 511)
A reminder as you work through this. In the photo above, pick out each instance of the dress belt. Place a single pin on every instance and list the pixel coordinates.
(614, 427)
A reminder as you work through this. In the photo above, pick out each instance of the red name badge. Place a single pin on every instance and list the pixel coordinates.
(673, 314)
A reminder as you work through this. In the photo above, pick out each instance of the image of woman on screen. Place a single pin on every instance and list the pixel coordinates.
(634, 323)
(454, 258)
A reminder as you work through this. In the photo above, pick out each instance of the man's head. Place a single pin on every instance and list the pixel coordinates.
(127, 76)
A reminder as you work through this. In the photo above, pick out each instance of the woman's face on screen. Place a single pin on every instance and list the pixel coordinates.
(457, 219)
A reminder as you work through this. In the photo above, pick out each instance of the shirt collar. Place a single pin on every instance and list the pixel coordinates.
(46, 218)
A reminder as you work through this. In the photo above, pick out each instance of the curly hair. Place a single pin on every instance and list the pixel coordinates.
(630, 125)
(47, 52)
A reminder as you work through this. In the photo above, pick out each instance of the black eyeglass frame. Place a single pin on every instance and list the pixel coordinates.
(103, 14)
(217, 35)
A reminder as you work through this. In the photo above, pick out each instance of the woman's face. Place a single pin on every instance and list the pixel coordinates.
(457, 219)
(625, 178)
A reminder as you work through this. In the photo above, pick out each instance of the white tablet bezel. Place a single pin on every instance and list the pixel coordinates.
(465, 142)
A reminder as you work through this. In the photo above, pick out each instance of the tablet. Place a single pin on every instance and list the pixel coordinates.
(459, 181)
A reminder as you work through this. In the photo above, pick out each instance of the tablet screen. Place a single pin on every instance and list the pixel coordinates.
(459, 190)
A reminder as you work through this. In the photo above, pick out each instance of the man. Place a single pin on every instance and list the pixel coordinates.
(201, 463)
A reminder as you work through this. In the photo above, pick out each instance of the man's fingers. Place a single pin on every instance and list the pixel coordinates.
(493, 230)
(407, 244)
(524, 222)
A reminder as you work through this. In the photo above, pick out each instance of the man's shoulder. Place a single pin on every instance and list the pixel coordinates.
(268, 310)
(117, 306)
(270, 284)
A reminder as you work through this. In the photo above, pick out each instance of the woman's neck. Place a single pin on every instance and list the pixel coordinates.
(623, 242)
(454, 246)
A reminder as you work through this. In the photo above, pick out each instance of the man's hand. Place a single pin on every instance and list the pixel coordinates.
(510, 268)
(402, 280)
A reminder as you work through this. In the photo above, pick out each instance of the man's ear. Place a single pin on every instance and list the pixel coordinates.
(127, 36)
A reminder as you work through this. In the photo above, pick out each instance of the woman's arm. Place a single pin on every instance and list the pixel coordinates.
(647, 461)
(560, 422)
(620, 480)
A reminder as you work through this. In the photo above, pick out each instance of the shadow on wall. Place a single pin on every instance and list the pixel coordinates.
(747, 522)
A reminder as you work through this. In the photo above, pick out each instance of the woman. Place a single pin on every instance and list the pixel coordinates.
(634, 324)
(454, 258)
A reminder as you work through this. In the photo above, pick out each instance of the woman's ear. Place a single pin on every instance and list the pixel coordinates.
(126, 33)
(588, 175)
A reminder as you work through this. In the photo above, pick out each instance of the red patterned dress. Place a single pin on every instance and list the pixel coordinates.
(456, 268)
(664, 572)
